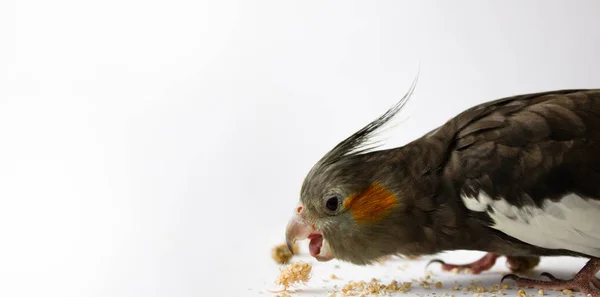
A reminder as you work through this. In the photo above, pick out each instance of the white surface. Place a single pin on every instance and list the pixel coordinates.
(156, 148)
(403, 270)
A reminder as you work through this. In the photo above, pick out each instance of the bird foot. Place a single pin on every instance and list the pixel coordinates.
(481, 265)
(584, 281)
(515, 264)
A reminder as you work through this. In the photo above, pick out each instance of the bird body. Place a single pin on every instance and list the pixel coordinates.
(517, 176)
(530, 169)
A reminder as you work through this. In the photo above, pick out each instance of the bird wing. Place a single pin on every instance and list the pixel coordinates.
(531, 165)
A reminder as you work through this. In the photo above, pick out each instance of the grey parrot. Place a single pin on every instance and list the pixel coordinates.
(517, 177)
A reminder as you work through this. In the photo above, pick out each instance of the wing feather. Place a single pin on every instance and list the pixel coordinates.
(532, 163)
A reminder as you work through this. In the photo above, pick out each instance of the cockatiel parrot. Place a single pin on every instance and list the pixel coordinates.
(517, 177)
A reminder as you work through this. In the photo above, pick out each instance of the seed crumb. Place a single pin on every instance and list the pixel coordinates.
(541, 292)
(333, 276)
(494, 288)
(281, 254)
(294, 273)
(373, 287)
(439, 285)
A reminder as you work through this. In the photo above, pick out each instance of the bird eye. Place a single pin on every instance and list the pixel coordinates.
(332, 203)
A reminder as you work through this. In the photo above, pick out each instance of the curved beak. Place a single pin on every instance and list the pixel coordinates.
(296, 229)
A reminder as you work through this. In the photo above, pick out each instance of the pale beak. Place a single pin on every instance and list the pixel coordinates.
(296, 230)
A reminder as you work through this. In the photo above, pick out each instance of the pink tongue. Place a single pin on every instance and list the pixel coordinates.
(315, 245)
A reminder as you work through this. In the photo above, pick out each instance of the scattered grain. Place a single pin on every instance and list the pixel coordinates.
(281, 254)
(541, 292)
(494, 288)
(294, 273)
(373, 287)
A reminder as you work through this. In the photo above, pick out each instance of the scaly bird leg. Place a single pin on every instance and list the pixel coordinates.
(581, 281)
(483, 264)
(515, 264)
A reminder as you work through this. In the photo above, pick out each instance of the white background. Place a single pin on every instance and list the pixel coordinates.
(156, 148)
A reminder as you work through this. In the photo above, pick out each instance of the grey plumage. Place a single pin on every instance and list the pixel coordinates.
(467, 184)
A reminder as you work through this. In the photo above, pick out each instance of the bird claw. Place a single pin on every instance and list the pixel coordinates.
(510, 276)
(435, 261)
(450, 267)
(580, 282)
(515, 277)
(549, 276)
(476, 267)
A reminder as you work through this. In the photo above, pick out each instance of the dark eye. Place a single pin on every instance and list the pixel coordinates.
(332, 203)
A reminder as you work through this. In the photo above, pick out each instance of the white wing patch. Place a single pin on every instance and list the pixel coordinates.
(572, 223)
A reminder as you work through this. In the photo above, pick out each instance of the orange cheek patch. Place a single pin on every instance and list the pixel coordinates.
(371, 204)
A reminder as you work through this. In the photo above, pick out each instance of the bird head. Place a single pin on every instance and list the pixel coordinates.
(350, 202)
